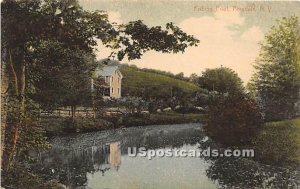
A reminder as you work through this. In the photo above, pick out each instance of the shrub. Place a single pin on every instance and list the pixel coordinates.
(233, 120)
(21, 178)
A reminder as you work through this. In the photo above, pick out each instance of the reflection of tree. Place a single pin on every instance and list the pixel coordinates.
(70, 166)
(100, 158)
(244, 173)
(162, 138)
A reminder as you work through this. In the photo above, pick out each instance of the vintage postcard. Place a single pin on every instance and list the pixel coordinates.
(150, 94)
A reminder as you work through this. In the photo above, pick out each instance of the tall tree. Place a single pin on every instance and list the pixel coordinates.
(277, 79)
(61, 76)
(17, 30)
(222, 80)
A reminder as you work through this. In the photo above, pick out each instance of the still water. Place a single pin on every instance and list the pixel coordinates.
(100, 160)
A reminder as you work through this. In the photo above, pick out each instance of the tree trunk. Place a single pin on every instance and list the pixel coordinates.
(11, 141)
(14, 145)
(22, 92)
(73, 109)
(4, 97)
(16, 130)
(14, 74)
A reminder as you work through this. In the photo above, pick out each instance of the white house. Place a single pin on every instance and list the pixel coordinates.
(108, 81)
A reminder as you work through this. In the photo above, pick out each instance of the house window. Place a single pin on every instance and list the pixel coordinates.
(112, 90)
(106, 79)
(112, 79)
(106, 92)
(118, 90)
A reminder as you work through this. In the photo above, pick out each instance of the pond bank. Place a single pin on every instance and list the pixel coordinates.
(63, 126)
(278, 143)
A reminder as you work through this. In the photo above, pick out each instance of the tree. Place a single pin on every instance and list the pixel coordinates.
(180, 75)
(20, 25)
(193, 78)
(233, 117)
(61, 76)
(276, 82)
(221, 80)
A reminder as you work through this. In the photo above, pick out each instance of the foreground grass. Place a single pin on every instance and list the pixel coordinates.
(63, 126)
(279, 142)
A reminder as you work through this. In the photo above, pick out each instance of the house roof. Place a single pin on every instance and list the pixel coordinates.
(107, 71)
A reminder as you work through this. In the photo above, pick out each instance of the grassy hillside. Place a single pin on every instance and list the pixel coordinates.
(137, 81)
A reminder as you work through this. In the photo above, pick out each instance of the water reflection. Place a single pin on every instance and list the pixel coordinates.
(244, 173)
(100, 160)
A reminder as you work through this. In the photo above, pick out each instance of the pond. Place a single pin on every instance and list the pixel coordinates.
(100, 160)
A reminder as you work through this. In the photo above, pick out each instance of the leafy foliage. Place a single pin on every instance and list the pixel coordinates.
(30, 135)
(233, 120)
(277, 79)
(135, 38)
(61, 76)
(222, 80)
(19, 177)
(32, 138)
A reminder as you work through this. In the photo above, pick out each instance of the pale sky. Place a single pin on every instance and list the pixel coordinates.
(229, 32)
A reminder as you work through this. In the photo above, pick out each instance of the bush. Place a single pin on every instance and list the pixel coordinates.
(190, 109)
(90, 124)
(161, 119)
(61, 125)
(21, 178)
(233, 120)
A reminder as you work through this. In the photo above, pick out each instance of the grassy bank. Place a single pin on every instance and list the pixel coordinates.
(63, 126)
(279, 142)
(161, 119)
(136, 79)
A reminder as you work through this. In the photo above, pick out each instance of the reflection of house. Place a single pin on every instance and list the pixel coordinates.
(106, 156)
(115, 154)
(108, 81)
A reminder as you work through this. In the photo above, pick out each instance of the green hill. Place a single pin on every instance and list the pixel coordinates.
(137, 82)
